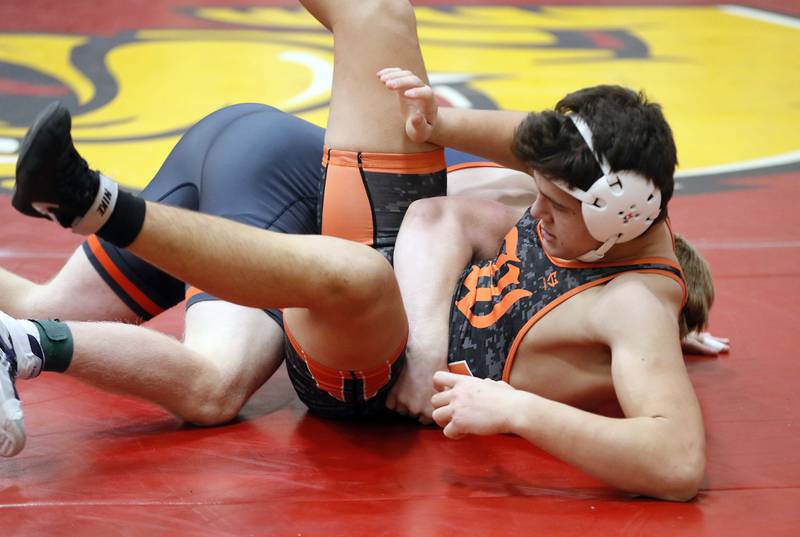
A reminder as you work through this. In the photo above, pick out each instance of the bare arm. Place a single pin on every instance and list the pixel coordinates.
(486, 133)
(658, 449)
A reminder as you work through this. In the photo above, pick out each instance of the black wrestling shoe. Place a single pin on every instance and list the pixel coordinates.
(54, 181)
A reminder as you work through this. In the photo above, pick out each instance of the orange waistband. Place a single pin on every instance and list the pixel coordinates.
(470, 165)
(405, 163)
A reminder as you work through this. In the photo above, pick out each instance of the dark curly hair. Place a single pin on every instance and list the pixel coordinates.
(629, 131)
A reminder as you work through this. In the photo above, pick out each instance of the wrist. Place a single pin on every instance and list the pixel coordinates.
(437, 136)
(517, 411)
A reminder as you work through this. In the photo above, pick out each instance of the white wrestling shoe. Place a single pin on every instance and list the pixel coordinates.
(16, 360)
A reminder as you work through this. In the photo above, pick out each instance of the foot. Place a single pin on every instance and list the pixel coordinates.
(54, 181)
(16, 359)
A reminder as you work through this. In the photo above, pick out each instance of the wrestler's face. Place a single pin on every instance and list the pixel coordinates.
(564, 233)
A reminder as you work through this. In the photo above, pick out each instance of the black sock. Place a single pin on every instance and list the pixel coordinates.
(125, 222)
(55, 339)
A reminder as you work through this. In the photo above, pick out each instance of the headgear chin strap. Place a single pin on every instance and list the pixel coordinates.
(618, 207)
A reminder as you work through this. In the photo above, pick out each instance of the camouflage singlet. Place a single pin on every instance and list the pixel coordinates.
(498, 300)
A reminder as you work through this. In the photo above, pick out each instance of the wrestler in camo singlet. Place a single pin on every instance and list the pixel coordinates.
(498, 300)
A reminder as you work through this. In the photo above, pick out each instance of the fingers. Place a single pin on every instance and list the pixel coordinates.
(408, 82)
(440, 399)
(426, 418)
(443, 380)
(418, 121)
(692, 347)
(401, 80)
(387, 70)
(452, 431)
(704, 343)
(393, 74)
(716, 338)
(442, 415)
(413, 407)
(718, 344)
(417, 128)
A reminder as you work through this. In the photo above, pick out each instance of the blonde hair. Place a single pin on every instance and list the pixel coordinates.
(699, 287)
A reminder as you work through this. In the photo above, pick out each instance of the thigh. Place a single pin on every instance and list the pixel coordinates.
(145, 289)
(489, 182)
(251, 163)
(79, 293)
(439, 239)
(263, 170)
(344, 356)
(364, 115)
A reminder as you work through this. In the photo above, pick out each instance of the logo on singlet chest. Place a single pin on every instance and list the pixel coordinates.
(481, 287)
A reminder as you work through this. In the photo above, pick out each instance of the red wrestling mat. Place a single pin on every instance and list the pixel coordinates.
(99, 464)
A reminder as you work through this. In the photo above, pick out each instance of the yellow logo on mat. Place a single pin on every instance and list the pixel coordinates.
(725, 76)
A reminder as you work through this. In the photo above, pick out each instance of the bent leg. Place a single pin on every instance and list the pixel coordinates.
(438, 239)
(344, 290)
(335, 280)
(242, 347)
(368, 36)
(76, 292)
(229, 351)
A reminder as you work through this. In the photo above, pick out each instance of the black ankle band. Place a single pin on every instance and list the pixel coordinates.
(55, 338)
(125, 222)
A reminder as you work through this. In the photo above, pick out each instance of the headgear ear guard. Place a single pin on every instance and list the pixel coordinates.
(619, 206)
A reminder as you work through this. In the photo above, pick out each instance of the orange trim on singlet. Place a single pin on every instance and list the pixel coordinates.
(116, 274)
(402, 163)
(572, 292)
(469, 165)
(193, 291)
(331, 380)
(565, 263)
(672, 276)
(512, 353)
(346, 207)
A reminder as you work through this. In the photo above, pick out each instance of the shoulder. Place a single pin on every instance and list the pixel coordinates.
(645, 286)
(630, 304)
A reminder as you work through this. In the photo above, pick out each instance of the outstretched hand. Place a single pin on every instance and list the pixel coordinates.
(468, 405)
(705, 343)
(417, 102)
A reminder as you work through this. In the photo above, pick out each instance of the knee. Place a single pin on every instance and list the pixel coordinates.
(431, 213)
(212, 401)
(379, 14)
(368, 281)
(392, 10)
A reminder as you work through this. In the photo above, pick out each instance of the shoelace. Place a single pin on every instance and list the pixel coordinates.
(74, 189)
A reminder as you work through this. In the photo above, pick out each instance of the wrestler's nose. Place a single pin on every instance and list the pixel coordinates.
(541, 209)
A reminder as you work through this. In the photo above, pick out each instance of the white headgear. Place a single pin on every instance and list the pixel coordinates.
(619, 206)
